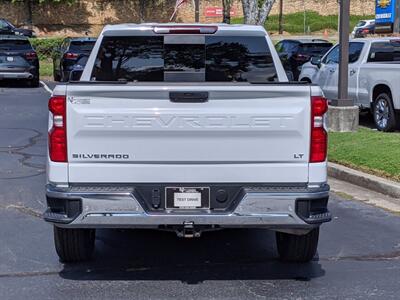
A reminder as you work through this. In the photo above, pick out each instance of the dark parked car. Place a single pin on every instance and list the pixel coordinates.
(295, 53)
(6, 27)
(18, 60)
(71, 55)
(365, 31)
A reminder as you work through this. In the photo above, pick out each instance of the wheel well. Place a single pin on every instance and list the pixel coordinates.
(379, 89)
(305, 79)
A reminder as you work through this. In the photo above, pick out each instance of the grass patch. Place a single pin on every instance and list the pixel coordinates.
(367, 150)
(46, 68)
(294, 23)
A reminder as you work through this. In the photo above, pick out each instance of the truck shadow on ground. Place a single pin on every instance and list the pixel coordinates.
(367, 120)
(222, 255)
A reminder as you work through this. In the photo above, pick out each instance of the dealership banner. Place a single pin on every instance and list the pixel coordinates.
(215, 11)
(385, 15)
(385, 11)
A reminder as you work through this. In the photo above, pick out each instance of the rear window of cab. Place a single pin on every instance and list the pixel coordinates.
(153, 58)
(385, 52)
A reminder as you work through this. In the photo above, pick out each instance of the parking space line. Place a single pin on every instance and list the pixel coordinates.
(46, 87)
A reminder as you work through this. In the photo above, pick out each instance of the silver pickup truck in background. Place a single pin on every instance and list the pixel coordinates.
(187, 128)
(374, 68)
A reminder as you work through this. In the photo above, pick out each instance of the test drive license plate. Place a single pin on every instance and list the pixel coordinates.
(187, 197)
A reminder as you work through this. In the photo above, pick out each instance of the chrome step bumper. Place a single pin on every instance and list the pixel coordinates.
(117, 207)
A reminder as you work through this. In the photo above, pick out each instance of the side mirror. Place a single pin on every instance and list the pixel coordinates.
(75, 75)
(316, 61)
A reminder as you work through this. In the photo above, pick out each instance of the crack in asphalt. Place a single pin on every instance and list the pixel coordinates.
(395, 255)
(28, 274)
(18, 150)
(23, 209)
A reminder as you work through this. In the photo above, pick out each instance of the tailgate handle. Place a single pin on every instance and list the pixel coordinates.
(188, 97)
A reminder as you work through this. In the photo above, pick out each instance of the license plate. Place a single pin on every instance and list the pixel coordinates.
(190, 200)
(10, 58)
(187, 197)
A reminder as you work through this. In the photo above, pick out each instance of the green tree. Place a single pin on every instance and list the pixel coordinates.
(227, 4)
(256, 11)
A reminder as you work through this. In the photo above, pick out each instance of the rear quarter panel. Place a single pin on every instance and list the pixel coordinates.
(373, 74)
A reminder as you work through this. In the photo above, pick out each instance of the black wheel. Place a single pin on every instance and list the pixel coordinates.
(74, 245)
(297, 248)
(384, 114)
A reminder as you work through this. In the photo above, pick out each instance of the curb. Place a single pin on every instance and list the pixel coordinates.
(372, 182)
(46, 87)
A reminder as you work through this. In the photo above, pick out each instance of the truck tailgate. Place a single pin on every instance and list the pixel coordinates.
(135, 133)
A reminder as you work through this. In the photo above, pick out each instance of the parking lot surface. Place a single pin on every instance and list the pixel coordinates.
(358, 257)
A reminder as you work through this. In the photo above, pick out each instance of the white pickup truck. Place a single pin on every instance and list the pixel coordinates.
(374, 68)
(186, 128)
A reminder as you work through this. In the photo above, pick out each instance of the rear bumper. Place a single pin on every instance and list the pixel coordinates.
(16, 75)
(117, 207)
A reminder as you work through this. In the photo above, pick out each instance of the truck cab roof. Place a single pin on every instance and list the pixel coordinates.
(221, 29)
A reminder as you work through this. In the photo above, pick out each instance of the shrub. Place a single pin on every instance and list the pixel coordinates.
(45, 46)
(294, 23)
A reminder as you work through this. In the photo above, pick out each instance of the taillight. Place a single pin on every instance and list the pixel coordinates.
(70, 55)
(319, 136)
(185, 29)
(58, 132)
(31, 55)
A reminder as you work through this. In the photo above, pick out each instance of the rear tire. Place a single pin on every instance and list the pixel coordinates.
(297, 248)
(384, 113)
(74, 245)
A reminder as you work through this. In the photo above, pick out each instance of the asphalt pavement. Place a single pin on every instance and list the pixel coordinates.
(358, 256)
